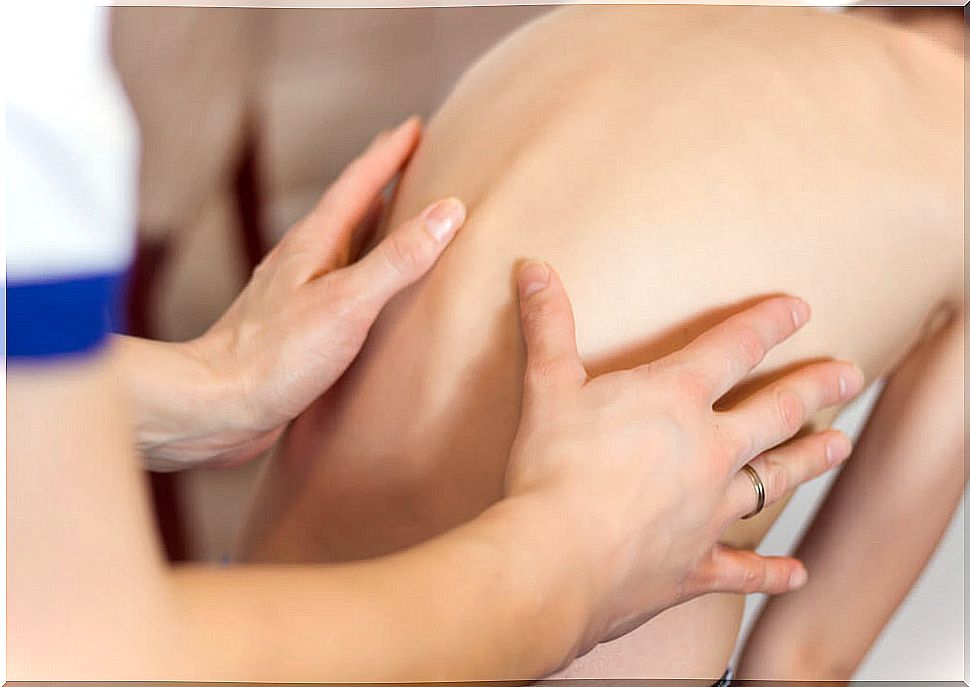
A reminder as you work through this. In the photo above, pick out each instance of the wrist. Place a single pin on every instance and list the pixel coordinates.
(183, 409)
(551, 571)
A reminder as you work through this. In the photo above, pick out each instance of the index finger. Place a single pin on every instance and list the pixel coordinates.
(723, 355)
(329, 225)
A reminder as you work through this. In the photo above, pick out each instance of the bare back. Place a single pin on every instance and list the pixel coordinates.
(672, 164)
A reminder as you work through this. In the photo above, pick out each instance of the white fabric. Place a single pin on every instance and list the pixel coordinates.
(71, 158)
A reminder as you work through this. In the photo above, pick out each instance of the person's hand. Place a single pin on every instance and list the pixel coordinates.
(297, 325)
(642, 474)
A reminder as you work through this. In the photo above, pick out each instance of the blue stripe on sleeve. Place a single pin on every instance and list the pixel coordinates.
(64, 316)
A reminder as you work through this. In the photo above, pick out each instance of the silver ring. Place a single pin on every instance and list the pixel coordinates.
(759, 490)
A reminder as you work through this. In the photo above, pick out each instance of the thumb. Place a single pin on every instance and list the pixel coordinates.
(404, 256)
(746, 572)
(548, 328)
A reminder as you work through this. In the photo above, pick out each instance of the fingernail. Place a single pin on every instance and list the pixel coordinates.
(533, 277)
(850, 381)
(381, 135)
(384, 134)
(798, 578)
(407, 122)
(799, 313)
(443, 218)
(837, 449)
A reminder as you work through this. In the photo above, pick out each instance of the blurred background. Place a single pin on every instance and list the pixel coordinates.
(246, 115)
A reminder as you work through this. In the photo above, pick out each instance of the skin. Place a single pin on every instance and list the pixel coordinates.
(672, 174)
(223, 398)
(542, 574)
(912, 455)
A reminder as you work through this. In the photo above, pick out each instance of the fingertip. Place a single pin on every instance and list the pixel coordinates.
(548, 329)
(851, 381)
(533, 277)
(381, 136)
(406, 133)
(798, 577)
(444, 217)
(801, 312)
(405, 129)
(837, 447)
(860, 375)
(410, 126)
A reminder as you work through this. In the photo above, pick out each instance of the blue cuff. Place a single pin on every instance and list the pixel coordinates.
(63, 316)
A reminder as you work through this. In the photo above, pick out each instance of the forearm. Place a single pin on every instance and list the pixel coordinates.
(492, 599)
(880, 523)
(92, 597)
(484, 602)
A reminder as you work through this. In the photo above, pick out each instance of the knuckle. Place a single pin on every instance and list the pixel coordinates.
(298, 267)
(775, 477)
(285, 270)
(736, 444)
(345, 302)
(790, 410)
(754, 577)
(821, 462)
(539, 374)
(557, 367)
(691, 385)
(405, 252)
(539, 313)
(751, 346)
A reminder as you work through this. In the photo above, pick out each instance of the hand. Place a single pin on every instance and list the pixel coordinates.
(643, 473)
(297, 325)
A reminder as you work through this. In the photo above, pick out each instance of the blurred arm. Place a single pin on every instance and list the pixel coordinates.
(878, 526)
(90, 596)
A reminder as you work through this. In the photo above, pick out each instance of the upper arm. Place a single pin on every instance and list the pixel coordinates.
(85, 573)
(83, 565)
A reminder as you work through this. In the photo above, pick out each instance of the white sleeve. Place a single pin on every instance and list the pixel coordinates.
(71, 180)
